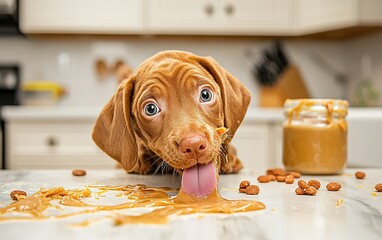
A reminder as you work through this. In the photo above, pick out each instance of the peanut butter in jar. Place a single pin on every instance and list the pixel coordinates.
(315, 136)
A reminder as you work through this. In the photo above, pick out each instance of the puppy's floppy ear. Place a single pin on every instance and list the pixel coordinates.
(113, 132)
(235, 95)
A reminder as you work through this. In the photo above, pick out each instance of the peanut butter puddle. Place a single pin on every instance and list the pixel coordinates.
(165, 207)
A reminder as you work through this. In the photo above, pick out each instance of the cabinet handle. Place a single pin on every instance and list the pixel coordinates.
(209, 9)
(52, 141)
(229, 9)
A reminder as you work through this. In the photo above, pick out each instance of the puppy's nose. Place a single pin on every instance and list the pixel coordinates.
(193, 146)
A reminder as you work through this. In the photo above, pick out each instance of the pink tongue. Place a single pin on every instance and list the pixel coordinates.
(199, 180)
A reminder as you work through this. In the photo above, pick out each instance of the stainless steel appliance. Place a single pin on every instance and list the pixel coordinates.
(9, 17)
(9, 95)
(9, 85)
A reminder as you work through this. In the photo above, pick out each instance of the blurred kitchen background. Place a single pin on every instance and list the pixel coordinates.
(59, 59)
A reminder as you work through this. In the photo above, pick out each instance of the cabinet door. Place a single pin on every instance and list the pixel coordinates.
(324, 15)
(53, 145)
(252, 143)
(226, 17)
(250, 17)
(84, 16)
(181, 16)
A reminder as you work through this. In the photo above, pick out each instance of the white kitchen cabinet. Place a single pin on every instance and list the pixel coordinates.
(84, 16)
(199, 17)
(226, 17)
(53, 144)
(252, 144)
(326, 15)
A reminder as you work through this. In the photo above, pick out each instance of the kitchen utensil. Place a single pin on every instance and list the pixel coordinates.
(278, 79)
(41, 93)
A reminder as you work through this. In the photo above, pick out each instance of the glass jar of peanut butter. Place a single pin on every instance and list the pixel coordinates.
(315, 135)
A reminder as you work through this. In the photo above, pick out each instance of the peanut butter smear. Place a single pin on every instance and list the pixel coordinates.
(165, 207)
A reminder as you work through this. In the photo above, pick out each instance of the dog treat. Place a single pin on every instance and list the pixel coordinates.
(280, 178)
(252, 190)
(333, 186)
(244, 184)
(279, 172)
(263, 179)
(378, 187)
(272, 177)
(289, 179)
(311, 190)
(294, 174)
(302, 184)
(300, 191)
(360, 175)
(79, 172)
(222, 132)
(14, 194)
(314, 183)
(243, 190)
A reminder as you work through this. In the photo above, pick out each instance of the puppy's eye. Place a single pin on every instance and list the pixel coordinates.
(206, 95)
(151, 109)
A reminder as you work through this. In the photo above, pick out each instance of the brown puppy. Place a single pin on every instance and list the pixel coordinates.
(168, 111)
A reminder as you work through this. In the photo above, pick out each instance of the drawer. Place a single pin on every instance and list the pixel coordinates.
(53, 145)
(51, 139)
(60, 162)
(252, 144)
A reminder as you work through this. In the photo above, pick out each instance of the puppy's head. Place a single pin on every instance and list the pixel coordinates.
(173, 105)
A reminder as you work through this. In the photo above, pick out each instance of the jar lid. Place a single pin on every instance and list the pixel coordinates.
(336, 107)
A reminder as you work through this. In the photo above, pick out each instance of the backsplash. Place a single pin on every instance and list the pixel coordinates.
(71, 63)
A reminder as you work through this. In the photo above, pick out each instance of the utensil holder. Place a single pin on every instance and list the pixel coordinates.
(290, 85)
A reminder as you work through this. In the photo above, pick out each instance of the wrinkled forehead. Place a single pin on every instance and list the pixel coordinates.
(172, 74)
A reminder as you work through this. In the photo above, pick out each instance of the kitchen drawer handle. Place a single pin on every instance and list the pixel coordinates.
(209, 9)
(229, 9)
(52, 141)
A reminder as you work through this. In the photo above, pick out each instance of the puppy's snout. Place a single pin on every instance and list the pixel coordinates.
(193, 146)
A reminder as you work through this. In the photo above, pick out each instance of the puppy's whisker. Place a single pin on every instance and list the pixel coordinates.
(153, 156)
(155, 161)
(165, 167)
(158, 167)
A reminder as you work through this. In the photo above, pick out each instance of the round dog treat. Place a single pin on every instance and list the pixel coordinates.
(378, 187)
(79, 172)
(272, 177)
(263, 179)
(294, 174)
(333, 186)
(278, 172)
(289, 179)
(314, 183)
(16, 193)
(299, 191)
(311, 190)
(270, 171)
(252, 190)
(244, 184)
(360, 175)
(243, 189)
(280, 178)
(302, 184)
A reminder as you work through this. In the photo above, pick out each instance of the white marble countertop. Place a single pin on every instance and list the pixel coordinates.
(287, 215)
(90, 113)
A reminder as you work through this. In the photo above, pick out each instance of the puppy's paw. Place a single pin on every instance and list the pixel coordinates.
(233, 165)
(142, 167)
